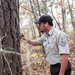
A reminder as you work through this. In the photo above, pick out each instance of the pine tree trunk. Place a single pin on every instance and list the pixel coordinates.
(9, 29)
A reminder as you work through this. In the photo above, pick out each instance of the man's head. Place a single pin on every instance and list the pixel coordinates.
(45, 23)
(44, 19)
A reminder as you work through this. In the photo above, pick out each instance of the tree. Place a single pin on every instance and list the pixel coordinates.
(72, 18)
(10, 64)
(34, 14)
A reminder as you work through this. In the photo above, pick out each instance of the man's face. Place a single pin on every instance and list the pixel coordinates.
(42, 27)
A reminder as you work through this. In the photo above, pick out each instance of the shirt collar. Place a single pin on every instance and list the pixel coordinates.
(51, 31)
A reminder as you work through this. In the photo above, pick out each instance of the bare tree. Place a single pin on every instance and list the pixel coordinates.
(44, 7)
(35, 17)
(72, 18)
(63, 16)
(54, 16)
(38, 8)
(9, 30)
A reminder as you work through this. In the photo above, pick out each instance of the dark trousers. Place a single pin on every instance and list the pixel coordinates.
(54, 69)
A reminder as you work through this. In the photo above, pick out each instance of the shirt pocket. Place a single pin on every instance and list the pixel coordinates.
(44, 44)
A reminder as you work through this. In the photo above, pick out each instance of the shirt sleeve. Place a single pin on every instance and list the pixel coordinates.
(40, 40)
(63, 44)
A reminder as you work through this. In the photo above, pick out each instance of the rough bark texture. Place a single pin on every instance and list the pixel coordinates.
(9, 27)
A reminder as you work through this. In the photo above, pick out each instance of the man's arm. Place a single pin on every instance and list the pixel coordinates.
(64, 62)
(31, 42)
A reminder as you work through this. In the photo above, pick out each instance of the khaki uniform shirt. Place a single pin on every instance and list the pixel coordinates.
(55, 43)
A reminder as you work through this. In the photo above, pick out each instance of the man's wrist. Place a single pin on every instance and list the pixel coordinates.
(27, 40)
(61, 73)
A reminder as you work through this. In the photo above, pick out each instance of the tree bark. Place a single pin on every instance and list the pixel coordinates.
(9, 29)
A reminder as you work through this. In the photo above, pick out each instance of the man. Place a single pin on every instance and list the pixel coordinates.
(55, 45)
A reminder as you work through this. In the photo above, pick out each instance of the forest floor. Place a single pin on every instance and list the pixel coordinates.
(72, 56)
(39, 68)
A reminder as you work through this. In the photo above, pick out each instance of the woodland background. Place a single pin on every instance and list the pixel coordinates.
(18, 16)
(63, 13)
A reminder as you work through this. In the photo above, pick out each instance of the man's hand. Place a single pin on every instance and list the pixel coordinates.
(22, 36)
(31, 42)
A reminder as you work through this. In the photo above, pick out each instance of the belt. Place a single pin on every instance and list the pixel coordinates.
(58, 64)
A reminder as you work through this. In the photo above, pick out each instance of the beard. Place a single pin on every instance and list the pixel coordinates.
(42, 31)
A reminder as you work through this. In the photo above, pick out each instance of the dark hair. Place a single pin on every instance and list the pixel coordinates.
(44, 19)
